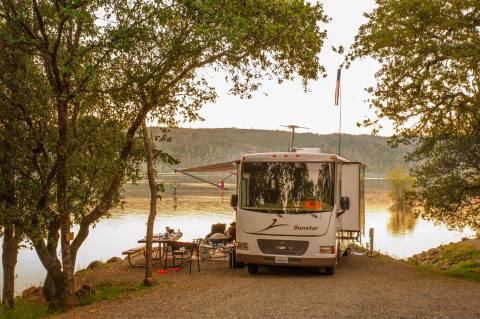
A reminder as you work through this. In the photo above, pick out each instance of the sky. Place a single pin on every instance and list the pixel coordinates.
(287, 103)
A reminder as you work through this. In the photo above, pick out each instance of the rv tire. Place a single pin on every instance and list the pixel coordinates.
(252, 269)
(238, 265)
(330, 270)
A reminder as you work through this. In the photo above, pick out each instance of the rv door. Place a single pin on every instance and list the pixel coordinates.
(353, 187)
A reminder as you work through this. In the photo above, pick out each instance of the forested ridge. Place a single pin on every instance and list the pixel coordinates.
(195, 147)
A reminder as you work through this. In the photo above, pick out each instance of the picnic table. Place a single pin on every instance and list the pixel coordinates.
(159, 239)
(179, 251)
(163, 241)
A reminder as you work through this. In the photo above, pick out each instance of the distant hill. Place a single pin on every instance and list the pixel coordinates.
(196, 147)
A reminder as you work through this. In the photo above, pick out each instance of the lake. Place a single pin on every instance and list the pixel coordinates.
(198, 207)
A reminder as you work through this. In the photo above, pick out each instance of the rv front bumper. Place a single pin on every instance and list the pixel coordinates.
(292, 261)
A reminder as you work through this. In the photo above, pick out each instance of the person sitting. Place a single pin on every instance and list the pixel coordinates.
(216, 229)
(232, 232)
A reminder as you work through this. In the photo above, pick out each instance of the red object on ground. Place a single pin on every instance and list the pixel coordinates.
(161, 272)
(176, 269)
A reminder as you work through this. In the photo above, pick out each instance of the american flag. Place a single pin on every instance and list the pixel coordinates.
(337, 87)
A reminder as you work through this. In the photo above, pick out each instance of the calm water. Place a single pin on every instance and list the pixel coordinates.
(397, 234)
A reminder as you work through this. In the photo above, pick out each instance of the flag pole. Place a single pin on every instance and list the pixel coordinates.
(338, 102)
(340, 128)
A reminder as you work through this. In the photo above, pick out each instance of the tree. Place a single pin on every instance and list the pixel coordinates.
(138, 58)
(153, 155)
(401, 184)
(429, 87)
(21, 106)
(148, 281)
(27, 154)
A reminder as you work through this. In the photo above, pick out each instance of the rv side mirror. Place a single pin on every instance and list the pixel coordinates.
(345, 203)
(234, 200)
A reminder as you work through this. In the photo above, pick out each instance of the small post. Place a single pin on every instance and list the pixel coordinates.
(371, 235)
(175, 196)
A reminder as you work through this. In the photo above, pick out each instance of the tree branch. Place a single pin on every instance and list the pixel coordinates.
(41, 24)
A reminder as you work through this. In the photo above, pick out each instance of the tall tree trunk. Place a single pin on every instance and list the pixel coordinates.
(12, 235)
(49, 286)
(55, 278)
(148, 281)
(63, 209)
(51, 263)
(9, 261)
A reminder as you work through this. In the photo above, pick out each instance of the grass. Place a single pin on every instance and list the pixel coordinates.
(25, 310)
(460, 250)
(468, 269)
(459, 260)
(105, 291)
(465, 259)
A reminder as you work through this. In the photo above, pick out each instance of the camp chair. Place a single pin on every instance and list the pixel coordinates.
(182, 251)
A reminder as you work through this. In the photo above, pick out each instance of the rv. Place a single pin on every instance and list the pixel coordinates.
(300, 208)
(297, 208)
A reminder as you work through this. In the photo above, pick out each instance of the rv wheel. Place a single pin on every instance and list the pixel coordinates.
(238, 265)
(330, 271)
(252, 269)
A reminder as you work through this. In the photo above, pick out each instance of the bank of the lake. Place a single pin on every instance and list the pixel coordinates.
(373, 287)
(364, 286)
(461, 259)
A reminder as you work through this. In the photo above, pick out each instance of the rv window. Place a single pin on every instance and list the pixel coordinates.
(290, 187)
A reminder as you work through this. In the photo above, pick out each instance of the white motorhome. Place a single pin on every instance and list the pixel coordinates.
(300, 208)
(297, 209)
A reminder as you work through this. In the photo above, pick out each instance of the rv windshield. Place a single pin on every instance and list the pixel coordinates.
(289, 187)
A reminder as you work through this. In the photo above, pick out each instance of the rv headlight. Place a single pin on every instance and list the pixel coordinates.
(242, 246)
(327, 250)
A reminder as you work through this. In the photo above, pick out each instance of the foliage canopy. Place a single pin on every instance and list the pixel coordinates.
(429, 87)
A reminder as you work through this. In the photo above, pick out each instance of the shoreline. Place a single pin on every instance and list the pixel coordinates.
(114, 281)
(352, 273)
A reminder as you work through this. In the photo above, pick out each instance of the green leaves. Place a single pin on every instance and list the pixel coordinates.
(429, 87)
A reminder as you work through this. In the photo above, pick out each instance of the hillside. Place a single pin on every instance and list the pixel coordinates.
(203, 146)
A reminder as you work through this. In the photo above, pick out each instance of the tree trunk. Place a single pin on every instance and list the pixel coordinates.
(9, 261)
(49, 286)
(51, 263)
(63, 209)
(50, 290)
(11, 235)
(148, 281)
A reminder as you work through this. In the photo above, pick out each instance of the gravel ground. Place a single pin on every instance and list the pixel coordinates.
(363, 287)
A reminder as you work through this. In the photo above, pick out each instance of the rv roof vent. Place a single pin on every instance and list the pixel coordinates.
(308, 150)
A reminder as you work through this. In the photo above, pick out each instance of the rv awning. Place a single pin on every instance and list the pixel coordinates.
(225, 167)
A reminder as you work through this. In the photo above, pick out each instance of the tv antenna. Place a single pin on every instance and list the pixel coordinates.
(292, 134)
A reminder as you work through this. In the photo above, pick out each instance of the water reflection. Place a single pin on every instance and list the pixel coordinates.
(402, 220)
